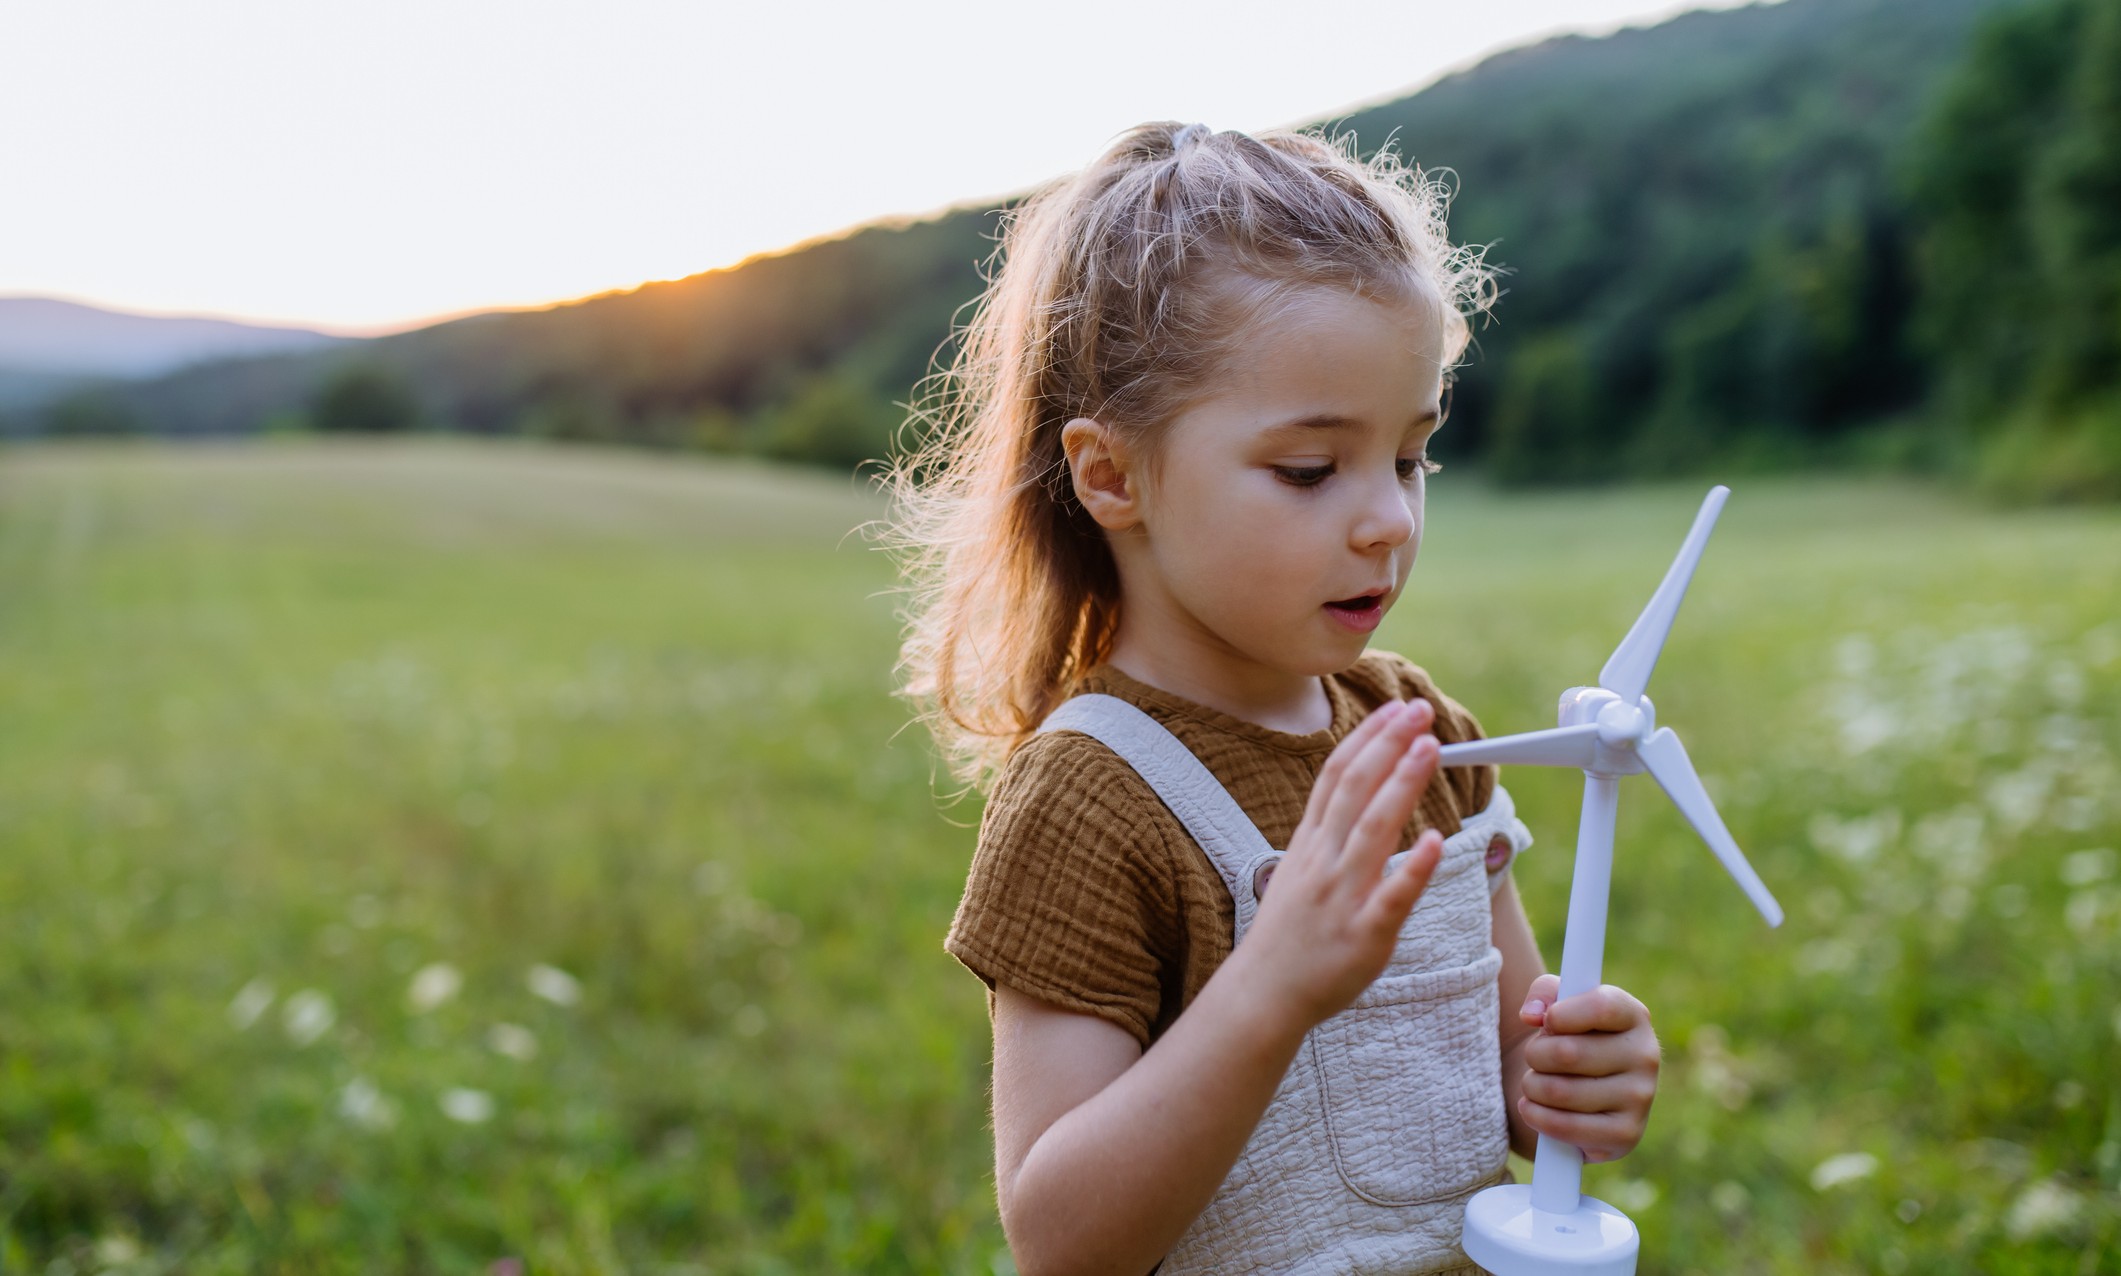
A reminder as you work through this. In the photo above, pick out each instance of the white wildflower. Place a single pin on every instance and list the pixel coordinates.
(1716, 1071)
(2044, 1207)
(1857, 839)
(1955, 841)
(365, 911)
(1632, 1195)
(2077, 813)
(307, 1016)
(2017, 798)
(2082, 868)
(1855, 656)
(364, 1105)
(1865, 725)
(250, 1002)
(2011, 1160)
(1829, 956)
(2083, 910)
(432, 985)
(468, 1106)
(1845, 1168)
(554, 985)
(1954, 902)
(2065, 683)
(117, 1251)
(198, 1134)
(513, 1040)
(1729, 1197)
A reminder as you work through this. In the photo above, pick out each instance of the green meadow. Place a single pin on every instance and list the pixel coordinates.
(439, 857)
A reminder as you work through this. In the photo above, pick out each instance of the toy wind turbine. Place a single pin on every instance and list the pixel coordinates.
(1609, 731)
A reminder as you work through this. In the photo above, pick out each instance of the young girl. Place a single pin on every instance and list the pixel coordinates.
(1178, 482)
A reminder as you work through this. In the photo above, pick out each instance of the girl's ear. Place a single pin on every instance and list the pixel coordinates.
(1107, 481)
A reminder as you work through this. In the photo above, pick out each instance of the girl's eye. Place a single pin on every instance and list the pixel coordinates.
(1302, 475)
(1409, 466)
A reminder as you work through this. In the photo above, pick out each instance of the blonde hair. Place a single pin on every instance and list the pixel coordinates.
(1117, 292)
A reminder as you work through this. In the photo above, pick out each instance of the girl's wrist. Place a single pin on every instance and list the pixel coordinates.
(1256, 1006)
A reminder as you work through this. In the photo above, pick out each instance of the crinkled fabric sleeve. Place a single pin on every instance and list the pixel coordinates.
(1071, 897)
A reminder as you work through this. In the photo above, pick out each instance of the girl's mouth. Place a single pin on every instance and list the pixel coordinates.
(1360, 614)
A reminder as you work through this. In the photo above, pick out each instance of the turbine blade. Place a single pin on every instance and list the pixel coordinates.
(1667, 761)
(1562, 746)
(1627, 673)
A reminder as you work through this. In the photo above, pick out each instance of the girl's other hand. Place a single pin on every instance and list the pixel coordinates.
(1327, 925)
(1593, 1068)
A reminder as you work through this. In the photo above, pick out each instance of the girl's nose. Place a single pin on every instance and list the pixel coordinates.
(1386, 520)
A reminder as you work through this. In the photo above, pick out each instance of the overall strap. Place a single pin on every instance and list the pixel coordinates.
(1213, 818)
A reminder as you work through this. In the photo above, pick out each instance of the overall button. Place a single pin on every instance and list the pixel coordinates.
(1498, 852)
(1261, 876)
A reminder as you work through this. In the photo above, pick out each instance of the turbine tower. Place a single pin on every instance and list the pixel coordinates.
(1608, 731)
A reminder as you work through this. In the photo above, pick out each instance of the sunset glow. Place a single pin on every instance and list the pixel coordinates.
(366, 166)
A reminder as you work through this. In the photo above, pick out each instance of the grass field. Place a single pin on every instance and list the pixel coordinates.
(424, 855)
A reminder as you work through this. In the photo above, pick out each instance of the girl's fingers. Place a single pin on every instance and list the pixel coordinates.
(1401, 889)
(1370, 767)
(1602, 1009)
(1377, 832)
(1582, 1054)
(1627, 1092)
(1603, 1136)
(1544, 992)
(1329, 777)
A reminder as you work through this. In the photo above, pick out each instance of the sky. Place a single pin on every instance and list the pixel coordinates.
(365, 166)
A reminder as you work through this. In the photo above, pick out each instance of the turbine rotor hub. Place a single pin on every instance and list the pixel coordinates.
(1622, 725)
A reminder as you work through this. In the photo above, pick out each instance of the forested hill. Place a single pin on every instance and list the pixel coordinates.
(1710, 225)
(1704, 228)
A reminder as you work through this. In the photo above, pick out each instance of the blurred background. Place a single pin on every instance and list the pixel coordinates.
(453, 813)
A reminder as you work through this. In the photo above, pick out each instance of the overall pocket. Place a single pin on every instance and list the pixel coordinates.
(1411, 1076)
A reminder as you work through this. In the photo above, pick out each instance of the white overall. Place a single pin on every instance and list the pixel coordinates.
(1391, 1114)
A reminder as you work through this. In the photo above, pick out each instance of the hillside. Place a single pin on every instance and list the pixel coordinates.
(1703, 221)
(1704, 226)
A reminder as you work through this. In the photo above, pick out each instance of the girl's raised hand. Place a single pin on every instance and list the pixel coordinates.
(1327, 925)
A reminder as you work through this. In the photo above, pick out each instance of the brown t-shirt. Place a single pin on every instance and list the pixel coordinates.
(1087, 893)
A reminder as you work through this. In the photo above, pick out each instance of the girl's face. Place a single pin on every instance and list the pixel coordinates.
(1285, 507)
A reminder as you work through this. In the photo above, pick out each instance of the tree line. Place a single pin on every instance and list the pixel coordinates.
(1879, 232)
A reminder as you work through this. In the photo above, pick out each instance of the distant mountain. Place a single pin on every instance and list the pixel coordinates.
(67, 339)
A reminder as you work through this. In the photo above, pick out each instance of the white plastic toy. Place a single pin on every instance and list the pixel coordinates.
(1609, 731)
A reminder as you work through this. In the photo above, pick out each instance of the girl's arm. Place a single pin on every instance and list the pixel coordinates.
(1104, 1154)
(1583, 1070)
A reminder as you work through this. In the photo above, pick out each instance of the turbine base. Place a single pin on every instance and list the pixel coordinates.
(1505, 1234)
